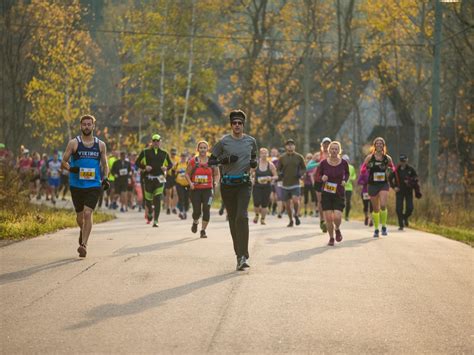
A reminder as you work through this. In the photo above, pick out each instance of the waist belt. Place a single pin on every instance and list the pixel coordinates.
(235, 179)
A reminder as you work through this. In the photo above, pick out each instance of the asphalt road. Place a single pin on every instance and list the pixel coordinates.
(164, 290)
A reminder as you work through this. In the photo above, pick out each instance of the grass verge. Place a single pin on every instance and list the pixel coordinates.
(32, 220)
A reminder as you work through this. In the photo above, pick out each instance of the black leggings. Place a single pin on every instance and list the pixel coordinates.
(236, 200)
(309, 190)
(201, 200)
(367, 205)
(183, 197)
(348, 203)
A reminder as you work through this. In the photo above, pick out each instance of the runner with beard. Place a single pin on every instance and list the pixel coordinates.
(237, 152)
(88, 157)
(155, 162)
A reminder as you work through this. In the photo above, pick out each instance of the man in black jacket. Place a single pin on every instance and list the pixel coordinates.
(404, 180)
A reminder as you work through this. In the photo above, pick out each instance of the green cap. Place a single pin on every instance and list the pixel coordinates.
(156, 137)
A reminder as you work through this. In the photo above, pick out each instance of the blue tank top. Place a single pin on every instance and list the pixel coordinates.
(88, 162)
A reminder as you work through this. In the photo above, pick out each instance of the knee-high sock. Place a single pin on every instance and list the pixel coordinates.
(383, 217)
(376, 218)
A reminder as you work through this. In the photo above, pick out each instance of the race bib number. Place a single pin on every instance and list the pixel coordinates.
(201, 179)
(86, 173)
(365, 196)
(330, 187)
(379, 177)
(280, 183)
(123, 172)
(263, 179)
(55, 174)
(161, 179)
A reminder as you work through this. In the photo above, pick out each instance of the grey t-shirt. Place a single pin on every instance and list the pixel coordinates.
(243, 148)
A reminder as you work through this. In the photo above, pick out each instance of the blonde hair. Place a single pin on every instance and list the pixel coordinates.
(372, 149)
(338, 144)
(88, 117)
(202, 142)
(264, 149)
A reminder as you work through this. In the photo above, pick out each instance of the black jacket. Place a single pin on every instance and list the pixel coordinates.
(406, 180)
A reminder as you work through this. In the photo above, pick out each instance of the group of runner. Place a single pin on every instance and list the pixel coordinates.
(241, 170)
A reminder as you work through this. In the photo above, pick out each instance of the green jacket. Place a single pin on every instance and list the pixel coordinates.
(352, 177)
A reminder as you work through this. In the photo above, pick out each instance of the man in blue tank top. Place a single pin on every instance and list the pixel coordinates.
(86, 160)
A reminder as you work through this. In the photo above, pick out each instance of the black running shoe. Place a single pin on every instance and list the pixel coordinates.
(297, 220)
(203, 234)
(376, 233)
(82, 251)
(384, 230)
(221, 211)
(155, 224)
(290, 224)
(242, 263)
(194, 228)
(168, 211)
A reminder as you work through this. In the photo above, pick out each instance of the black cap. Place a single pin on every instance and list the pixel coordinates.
(289, 141)
(237, 115)
(403, 157)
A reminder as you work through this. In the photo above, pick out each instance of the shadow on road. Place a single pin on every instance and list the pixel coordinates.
(154, 247)
(144, 303)
(301, 255)
(23, 274)
(290, 238)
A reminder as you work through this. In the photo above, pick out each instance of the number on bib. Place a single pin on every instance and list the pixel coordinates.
(330, 187)
(365, 196)
(201, 179)
(379, 177)
(86, 173)
(123, 172)
(161, 179)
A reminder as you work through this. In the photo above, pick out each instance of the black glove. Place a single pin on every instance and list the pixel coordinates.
(229, 159)
(213, 161)
(74, 169)
(106, 184)
(253, 163)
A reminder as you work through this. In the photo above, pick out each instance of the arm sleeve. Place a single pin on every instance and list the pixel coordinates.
(140, 160)
(253, 154)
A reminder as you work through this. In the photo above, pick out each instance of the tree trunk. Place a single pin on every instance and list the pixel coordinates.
(307, 102)
(190, 66)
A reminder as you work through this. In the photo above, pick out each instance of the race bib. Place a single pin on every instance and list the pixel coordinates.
(123, 172)
(280, 183)
(365, 196)
(330, 187)
(263, 179)
(162, 179)
(379, 177)
(201, 179)
(86, 173)
(54, 174)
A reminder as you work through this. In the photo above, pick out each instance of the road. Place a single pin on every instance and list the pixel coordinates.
(164, 290)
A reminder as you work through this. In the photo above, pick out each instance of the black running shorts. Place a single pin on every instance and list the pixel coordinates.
(332, 202)
(84, 197)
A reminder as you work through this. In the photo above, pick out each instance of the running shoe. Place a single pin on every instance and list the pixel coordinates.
(366, 221)
(384, 230)
(180, 215)
(155, 224)
(338, 236)
(168, 211)
(323, 226)
(331, 242)
(203, 234)
(262, 221)
(279, 215)
(255, 220)
(371, 224)
(297, 220)
(290, 224)
(194, 228)
(242, 263)
(122, 209)
(346, 219)
(221, 211)
(400, 228)
(82, 251)
(174, 211)
(376, 233)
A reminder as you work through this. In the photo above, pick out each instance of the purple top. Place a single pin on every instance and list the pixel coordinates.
(336, 174)
(307, 176)
(363, 180)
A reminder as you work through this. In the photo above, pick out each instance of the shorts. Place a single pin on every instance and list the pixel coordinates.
(332, 202)
(170, 182)
(54, 182)
(153, 188)
(85, 197)
(261, 195)
(374, 189)
(287, 194)
(121, 186)
(318, 186)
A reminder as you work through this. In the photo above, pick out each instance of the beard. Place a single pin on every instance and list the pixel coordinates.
(86, 132)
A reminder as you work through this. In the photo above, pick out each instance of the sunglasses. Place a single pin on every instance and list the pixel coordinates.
(237, 123)
(156, 140)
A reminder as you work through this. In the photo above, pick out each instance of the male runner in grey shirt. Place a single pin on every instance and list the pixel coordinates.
(237, 152)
